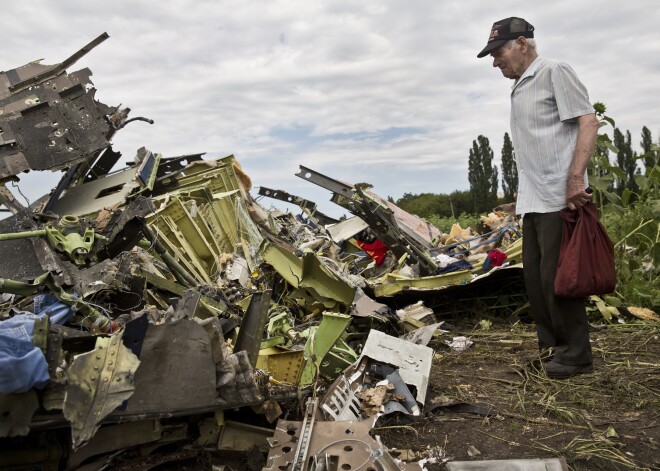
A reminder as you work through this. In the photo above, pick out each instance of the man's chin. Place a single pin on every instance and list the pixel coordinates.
(507, 75)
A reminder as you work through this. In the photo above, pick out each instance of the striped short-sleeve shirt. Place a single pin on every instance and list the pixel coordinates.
(545, 102)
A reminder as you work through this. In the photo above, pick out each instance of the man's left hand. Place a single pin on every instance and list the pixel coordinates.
(576, 195)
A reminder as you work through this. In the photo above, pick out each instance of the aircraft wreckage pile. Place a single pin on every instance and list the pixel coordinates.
(141, 306)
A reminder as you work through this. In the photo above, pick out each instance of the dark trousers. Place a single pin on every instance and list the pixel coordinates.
(561, 323)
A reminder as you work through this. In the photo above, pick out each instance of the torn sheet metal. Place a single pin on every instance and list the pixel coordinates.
(202, 218)
(413, 361)
(184, 369)
(539, 464)
(109, 191)
(177, 372)
(48, 119)
(423, 335)
(346, 229)
(187, 234)
(97, 383)
(20, 260)
(283, 364)
(415, 316)
(218, 176)
(324, 352)
(397, 284)
(310, 272)
(323, 280)
(364, 306)
(320, 341)
(385, 361)
(310, 445)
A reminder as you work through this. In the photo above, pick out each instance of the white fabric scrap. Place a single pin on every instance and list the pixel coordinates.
(459, 343)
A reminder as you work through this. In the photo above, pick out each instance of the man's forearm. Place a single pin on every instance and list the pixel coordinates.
(576, 194)
(584, 148)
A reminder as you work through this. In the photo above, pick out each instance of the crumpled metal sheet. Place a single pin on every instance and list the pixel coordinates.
(347, 445)
(185, 368)
(50, 119)
(97, 383)
(414, 361)
(309, 273)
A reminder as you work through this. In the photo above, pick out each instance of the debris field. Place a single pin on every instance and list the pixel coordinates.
(160, 314)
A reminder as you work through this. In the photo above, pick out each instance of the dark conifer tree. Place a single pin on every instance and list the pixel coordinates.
(509, 170)
(650, 156)
(626, 159)
(482, 175)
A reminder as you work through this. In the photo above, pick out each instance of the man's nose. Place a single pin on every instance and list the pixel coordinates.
(495, 62)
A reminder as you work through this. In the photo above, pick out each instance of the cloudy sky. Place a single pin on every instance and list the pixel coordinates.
(385, 92)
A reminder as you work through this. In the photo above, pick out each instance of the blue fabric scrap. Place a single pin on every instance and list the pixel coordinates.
(22, 365)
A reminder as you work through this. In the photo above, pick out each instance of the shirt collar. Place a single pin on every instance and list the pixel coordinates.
(529, 71)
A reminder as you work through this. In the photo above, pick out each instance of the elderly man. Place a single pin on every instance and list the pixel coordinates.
(554, 130)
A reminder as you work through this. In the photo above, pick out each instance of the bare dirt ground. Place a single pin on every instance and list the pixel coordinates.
(496, 408)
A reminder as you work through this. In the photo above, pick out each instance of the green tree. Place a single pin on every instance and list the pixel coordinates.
(650, 156)
(482, 175)
(509, 170)
(426, 205)
(626, 160)
(423, 205)
(460, 202)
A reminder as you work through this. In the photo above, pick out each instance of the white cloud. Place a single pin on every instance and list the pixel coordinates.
(387, 92)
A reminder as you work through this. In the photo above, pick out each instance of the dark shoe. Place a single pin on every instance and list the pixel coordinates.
(538, 360)
(556, 370)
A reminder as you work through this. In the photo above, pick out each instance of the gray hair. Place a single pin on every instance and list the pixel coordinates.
(530, 41)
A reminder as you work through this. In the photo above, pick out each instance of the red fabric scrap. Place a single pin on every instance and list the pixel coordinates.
(376, 250)
(497, 257)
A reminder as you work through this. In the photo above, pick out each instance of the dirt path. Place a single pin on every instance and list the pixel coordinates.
(605, 420)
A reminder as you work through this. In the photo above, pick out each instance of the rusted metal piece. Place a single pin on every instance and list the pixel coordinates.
(336, 445)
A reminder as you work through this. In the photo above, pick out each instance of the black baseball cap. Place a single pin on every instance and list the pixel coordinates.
(505, 30)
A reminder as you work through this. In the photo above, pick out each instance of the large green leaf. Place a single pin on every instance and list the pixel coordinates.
(612, 147)
(612, 198)
(601, 183)
(625, 196)
(609, 120)
(642, 182)
(619, 173)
